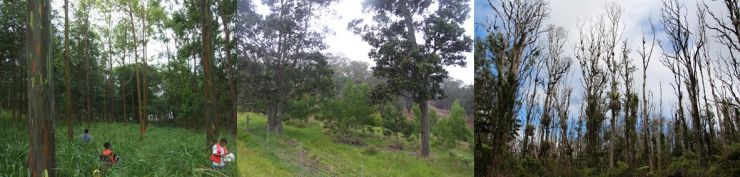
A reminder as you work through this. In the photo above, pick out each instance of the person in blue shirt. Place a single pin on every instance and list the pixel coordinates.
(86, 137)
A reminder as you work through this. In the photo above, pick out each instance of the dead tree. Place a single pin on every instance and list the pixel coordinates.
(727, 29)
(590, 52)
(685, 48)
(566, 151)
(646, 53)
(511, 43)
(556, 66)
(630, 103)
(613, 36)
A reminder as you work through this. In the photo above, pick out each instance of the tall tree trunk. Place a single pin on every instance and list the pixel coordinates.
(145, 85)
(88, 109)
(207, 61)
(229, 65)
(122, 79)
(67, 90)
(274, 123)
(138, 69)
(41, 153)
(425, 130)
(110, 72)
(423, 105)
(528, 120)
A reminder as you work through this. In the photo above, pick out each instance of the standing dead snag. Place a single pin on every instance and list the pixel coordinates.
(630, 104)
(727, 30)
(590, 52)
(646, 53)
(612, 35)
(41, 153)
(510, 50)
(684, 51)
(556, 67)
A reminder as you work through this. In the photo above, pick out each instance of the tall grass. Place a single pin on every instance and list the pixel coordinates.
(338, 159)
(13, 146)
(164, 151)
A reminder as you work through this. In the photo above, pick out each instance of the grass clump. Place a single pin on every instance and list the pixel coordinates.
(336, 158)
(163, 151)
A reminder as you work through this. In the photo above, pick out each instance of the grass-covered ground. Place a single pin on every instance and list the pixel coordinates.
(164, 151)
(323, 157)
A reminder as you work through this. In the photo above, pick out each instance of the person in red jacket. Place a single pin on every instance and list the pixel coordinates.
(108, 157)
(217, 153)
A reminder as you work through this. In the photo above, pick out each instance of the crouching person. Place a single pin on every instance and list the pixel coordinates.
(108, 157)
(220, 155)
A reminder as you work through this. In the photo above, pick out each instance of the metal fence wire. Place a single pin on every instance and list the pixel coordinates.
(314, 162)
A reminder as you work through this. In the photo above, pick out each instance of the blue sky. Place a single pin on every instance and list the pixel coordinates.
(635, 21)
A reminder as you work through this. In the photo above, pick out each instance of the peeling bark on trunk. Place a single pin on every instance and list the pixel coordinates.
(40, 93)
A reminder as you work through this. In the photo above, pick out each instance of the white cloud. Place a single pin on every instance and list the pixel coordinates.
(637, 13)
(343, 41)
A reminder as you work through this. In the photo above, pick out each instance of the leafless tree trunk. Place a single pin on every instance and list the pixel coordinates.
(590, 52)
(516, 27)
(613, 36)
(556, 67)
(687, 57)
(646, 53)
(727, 30)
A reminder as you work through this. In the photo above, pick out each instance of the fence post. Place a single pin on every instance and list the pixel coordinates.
(362, 174)
(300, 150)
(267, 137)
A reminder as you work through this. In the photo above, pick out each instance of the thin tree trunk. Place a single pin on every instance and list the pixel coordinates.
(230, 64)
(145, 86)
(207, 71)
(67, 90)
(88, 110)
(138, 68)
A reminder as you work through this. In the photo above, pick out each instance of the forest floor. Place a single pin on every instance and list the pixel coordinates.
(164, 151)
(303, 149)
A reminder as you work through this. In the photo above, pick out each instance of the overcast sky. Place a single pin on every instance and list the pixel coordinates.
(344, 42)
(635, 19)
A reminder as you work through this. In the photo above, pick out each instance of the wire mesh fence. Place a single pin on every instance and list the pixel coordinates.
(311, 162)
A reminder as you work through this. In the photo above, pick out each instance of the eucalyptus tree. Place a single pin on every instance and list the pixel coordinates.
(41, 147)
(207, 61)
(67, 90)
(226, 11)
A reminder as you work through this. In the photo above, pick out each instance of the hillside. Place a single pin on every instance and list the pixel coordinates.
(304, 149)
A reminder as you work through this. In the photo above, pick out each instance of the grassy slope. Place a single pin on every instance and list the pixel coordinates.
(164, 151)
(257, 159)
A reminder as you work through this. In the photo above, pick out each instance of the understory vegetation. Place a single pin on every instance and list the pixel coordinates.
(165, 151)
(306, 148)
